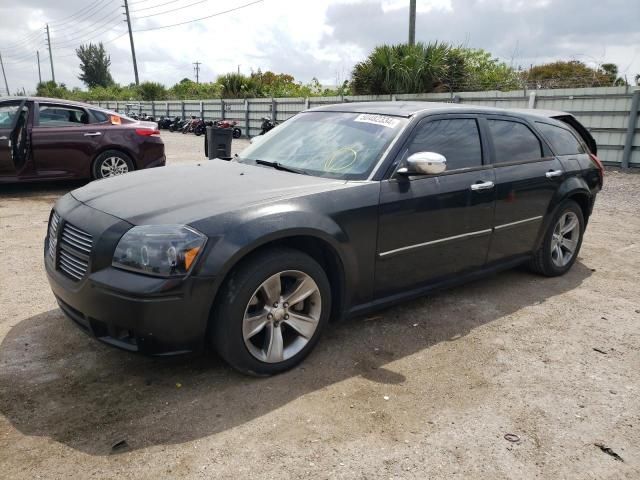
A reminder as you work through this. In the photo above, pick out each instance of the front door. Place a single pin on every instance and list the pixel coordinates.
(527, 177)
(14, 138)
(433, 226)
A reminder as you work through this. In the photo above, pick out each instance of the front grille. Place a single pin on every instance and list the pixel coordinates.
(54, 222)
(75, 248)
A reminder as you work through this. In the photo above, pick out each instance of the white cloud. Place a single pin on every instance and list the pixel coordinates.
(322, 38)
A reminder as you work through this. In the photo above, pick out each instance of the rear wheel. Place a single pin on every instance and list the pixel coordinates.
(271, 311)
(562, 241)
(237, 133)
(111, 163)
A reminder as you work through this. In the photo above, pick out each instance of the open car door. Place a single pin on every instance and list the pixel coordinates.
(19, 137)
(14, 138)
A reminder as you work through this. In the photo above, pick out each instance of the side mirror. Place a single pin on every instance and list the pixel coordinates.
(424, 163)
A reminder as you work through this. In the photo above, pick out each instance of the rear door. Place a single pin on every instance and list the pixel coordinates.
(572, 152)
(527, 177)
(433, 226)
(64, 140)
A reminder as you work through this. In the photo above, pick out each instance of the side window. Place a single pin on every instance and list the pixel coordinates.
(62, 116)
(514, 141)
(457, 139)
(99, 117)
(8, 113)
(563, 141)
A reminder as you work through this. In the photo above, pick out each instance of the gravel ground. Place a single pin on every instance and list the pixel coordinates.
(427, 389)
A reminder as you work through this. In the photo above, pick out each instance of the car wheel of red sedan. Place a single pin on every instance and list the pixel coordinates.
(111, 163)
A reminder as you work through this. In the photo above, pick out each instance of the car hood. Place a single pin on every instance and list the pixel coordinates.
(184, 194)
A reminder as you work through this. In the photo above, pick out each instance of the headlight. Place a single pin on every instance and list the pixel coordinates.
(162, 250)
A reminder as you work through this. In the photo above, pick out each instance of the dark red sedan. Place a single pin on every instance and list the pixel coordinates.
(47, 138)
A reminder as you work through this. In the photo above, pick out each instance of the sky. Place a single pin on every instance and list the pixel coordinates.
(305, 38)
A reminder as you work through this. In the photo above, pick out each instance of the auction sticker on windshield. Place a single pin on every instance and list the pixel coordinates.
(383, 120)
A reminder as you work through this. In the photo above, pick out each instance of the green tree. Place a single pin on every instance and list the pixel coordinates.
(94, 65)
(424, 68)
(152, 91)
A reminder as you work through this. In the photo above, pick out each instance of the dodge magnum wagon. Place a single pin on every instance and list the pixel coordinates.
(340, 210)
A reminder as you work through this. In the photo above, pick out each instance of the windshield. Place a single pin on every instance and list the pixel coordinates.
(328, 144)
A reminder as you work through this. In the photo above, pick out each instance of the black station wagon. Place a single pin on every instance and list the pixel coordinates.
(338, 211)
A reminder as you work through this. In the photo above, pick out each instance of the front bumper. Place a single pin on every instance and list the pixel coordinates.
(135, 312)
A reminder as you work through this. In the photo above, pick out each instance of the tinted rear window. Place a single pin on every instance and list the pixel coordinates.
(457, 139)
(99, 116)
(563, 141)
(514, 142)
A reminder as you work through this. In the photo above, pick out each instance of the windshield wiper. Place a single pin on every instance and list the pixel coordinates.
(279, 166)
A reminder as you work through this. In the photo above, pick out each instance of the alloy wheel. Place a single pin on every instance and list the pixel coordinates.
(565, 238)
(282, 316)
(112, 166)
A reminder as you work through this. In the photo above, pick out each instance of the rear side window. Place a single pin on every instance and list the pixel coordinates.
(563, 141)
(62, 116)
(100, 117)
(513, 141)
(457, 139)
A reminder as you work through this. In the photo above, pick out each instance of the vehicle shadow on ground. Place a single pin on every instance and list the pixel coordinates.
(58, 383)
(39, 191)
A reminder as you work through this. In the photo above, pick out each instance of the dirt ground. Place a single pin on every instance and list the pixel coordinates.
(427, 389)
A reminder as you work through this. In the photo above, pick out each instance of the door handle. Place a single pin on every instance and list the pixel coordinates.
(553, 173)
(92, 134)
(4, 138)
(482, 186)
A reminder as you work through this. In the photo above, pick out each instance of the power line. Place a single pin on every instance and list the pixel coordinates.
(90, 31)
(86, 12)
(172, 10)
(201, 18)
(153, 6)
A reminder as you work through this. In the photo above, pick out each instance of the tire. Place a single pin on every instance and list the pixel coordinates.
(555, 258)
(111, 163)
(251, 346)
(237, 133)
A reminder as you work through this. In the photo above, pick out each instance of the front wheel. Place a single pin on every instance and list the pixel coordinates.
(271, 311)
(110, 164)
(561, 242)
(237, 133)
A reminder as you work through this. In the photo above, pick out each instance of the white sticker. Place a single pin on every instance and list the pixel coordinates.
(383, 120)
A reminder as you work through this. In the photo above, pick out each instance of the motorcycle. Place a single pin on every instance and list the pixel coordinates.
(164, 123)
(177, 125)
(267, 124)
(237, 133)
(200, 127)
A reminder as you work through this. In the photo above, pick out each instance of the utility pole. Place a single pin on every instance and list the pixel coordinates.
(412, 22)
(39, 73)
(4, 75)
(133, 50)
(53, 75)
(197, 70)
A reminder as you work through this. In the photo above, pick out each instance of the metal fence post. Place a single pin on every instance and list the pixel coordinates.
(153, 108)
(117, 109)
(184, 116)
(306, 103)
(222, 112)
(532, 100)
(246, 118)
(166, 107)
(202, 110)
(274, 109)
(631, 129)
